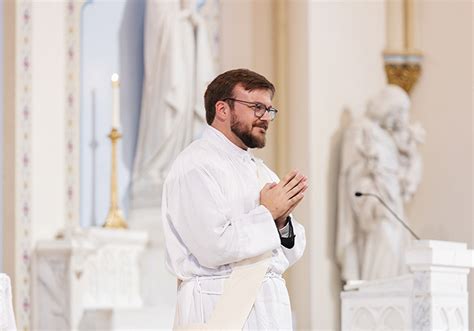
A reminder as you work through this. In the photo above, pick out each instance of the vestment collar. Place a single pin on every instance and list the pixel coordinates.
(227, 145)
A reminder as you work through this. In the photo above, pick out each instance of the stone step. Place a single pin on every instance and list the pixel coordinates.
(149, 318)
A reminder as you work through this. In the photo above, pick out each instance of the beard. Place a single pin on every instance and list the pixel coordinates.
(245, 133)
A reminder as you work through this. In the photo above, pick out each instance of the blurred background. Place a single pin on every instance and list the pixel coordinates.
(327, 59)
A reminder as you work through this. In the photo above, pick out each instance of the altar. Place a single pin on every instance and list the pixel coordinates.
(433, 296)
(92, 280)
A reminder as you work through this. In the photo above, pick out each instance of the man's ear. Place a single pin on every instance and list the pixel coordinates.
(222, 110)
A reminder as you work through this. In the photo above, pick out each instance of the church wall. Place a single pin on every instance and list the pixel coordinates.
(8, 133)
(47, 136)
(247, 41)
(335, 64)
(236, 40)
(264, 63)
(300, 150)
(345, 65)
(442, 101)
(1, 133)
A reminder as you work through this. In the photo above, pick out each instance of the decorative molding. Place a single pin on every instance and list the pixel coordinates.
(72, 108)
(404, 75)
(376, 316)
(403, 69)
(450, 317)
(23, 162)
(111, 277)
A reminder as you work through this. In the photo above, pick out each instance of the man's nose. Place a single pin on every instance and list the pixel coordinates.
(266, 116)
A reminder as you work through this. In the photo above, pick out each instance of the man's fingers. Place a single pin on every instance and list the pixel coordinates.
(300, 187)
(304, 188)
(294, 182)
(296, 199)
(288, 177)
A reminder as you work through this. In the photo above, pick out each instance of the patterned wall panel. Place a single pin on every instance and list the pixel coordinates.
(72, 106)
(23, 161)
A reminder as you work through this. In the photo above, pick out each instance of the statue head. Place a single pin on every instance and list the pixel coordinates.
(390, 108)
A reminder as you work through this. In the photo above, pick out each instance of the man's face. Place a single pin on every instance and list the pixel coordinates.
(244, 124)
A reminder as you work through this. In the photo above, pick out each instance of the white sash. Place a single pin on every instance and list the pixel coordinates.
(240, 290)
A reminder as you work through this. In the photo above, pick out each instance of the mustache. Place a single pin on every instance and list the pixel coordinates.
(262, 125)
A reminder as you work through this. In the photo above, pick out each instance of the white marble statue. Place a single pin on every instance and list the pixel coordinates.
(178, 67)
(379, 155)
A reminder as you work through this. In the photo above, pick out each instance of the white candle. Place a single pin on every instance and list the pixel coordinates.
(115, 101)
(395, 25)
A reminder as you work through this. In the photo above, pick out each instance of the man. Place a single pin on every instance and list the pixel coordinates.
(216, 213)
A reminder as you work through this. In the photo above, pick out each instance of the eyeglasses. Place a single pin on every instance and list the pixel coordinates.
(259, 109)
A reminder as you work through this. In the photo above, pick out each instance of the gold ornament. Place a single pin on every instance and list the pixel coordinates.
(403, 69)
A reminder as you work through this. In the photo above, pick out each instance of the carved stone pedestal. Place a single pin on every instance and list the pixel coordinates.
(94, 269)
(433, 296)
(159, 285)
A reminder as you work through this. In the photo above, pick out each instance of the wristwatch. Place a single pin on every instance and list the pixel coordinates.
(289, 241)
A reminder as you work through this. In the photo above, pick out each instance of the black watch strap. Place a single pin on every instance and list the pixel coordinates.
(288, 242)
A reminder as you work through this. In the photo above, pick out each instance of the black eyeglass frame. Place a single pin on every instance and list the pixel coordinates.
(253, 105)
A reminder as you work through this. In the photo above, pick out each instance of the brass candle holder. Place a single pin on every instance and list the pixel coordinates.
(403, 68)
(115, 219)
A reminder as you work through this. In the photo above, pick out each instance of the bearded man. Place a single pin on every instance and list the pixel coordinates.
(224, 212)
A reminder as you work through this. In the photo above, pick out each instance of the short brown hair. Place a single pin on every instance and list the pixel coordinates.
(222, 87)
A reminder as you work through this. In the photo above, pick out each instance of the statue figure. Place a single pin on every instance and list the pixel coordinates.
(379, 155)
(178, 67)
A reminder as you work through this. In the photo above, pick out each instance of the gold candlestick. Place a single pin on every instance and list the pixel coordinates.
(115, 219)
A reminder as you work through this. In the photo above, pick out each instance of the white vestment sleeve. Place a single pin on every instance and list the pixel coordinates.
(294, 254)
(201, 215)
